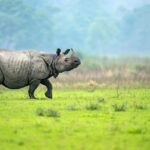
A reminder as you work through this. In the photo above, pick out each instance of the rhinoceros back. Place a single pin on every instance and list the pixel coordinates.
(15, 67)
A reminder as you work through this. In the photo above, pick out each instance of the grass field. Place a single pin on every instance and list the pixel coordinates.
(76, 119)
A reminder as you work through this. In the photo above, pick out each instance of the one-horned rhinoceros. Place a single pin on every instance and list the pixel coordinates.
(21, 68)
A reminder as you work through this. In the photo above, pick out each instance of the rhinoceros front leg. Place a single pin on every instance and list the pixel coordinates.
(32, 87)
(48, 85)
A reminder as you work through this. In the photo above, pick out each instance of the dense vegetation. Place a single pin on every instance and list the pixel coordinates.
(99, 27)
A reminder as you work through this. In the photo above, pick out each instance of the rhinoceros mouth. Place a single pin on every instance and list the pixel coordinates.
(75, 65)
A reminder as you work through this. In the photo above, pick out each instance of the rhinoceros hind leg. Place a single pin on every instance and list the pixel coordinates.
(32, 87)
(47, 83)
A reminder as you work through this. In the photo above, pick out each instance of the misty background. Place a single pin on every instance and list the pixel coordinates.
(98, 27)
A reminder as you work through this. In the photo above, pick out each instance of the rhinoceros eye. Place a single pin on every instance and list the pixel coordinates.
(66, 59)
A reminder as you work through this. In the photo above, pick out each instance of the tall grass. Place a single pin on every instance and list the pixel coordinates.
(104, 72)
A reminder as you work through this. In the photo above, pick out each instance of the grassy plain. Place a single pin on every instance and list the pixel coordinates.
(76, 119)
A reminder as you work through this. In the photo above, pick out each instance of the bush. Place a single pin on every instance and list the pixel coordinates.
(101, 100)
(92, 106)
(47, 112)
(140, 106)
(52, 113)
(71, 107)
(40, 112)
(119, 107)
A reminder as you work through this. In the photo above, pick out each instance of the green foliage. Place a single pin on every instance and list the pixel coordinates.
(92, 106)
(119, 107)
(136, 30)
(101, 100)
(71, 107)
(136, 130)
(90, 26)
(23, 25)
(47, 112)
(52, 113)
(140, 106)
(40, 112)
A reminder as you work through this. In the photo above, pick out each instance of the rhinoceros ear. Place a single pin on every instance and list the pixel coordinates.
(66, 52)
(58, 51)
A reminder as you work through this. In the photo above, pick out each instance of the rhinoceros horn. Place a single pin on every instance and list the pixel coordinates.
(73, 53)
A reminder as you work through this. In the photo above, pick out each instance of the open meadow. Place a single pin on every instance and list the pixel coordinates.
(100, 108)
(76, 119)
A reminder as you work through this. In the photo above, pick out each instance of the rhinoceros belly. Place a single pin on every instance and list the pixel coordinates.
(15, 67)
(16, 84)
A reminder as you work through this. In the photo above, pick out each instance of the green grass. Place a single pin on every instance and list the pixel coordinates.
(76, 119)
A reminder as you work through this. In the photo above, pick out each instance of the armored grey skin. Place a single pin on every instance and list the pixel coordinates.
(22, 68)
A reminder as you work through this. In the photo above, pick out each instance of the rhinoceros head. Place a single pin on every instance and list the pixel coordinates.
(66, 61)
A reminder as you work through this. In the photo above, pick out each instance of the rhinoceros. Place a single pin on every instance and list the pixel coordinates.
(22, 68)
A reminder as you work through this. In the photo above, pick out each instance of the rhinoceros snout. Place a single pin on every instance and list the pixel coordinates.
(77, 62)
